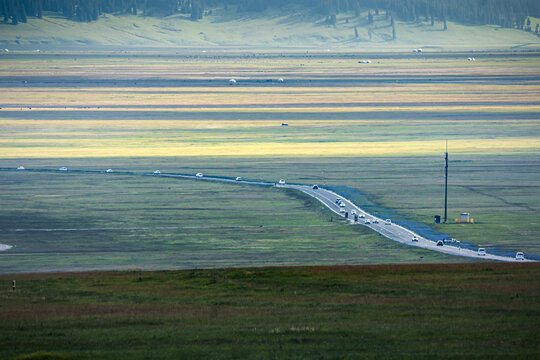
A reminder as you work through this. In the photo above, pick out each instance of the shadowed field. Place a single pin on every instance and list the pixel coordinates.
(452, 311)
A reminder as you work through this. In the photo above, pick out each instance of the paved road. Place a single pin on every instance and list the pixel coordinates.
(394, 232)
(328, 198)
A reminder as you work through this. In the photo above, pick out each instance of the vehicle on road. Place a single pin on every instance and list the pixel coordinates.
(387, 222)
(109, 171)
(353, 212)
(415, 238)
(375, 221)
(481, 252)
(281, 182)
(367, 222)
(440, 243)
(338, 200)
(341, 204)
(63, 168)
(315, 187)
(520, 255)
(198, 175)
(157, 172)
(238, 178)
(342, 210)
(20, 168)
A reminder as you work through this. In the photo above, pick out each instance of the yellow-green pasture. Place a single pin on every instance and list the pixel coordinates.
(76, 139)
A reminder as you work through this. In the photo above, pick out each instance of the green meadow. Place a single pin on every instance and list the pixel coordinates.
(443, 311)
(114, 221)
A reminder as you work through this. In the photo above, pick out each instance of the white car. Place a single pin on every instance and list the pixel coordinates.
(375, 221)
(198, 175)
(20, 168)
(481, 252)
(353, 212)
(157, 172)
(415, 238)
(362, 216)
(232, 82)
(109, 171)
(238, 178)
(520, 256)
(63, 168)
(341, 204)
(281, 182)
(367, 222)
(342, 210)
(387, 222)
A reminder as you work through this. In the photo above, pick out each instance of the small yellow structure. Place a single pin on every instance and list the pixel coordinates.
(464, 218)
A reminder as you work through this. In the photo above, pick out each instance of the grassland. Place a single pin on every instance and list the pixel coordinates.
(288, 27)
(91, 221)
(474, 311)
(380, 130)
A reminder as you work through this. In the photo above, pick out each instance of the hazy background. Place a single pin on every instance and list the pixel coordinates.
(354, 25)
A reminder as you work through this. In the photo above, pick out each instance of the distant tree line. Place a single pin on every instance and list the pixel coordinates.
(505, 13)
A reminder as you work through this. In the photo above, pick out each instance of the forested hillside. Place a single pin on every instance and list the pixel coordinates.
(505, 13)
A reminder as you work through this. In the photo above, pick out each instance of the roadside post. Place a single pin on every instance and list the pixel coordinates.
(13, 286)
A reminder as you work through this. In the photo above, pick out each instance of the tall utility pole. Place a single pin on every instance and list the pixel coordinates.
(446, 181)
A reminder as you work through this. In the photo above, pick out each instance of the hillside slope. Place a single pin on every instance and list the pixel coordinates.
(299, 29)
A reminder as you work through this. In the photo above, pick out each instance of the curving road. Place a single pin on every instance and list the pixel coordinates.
(393, 231)
(328, 198)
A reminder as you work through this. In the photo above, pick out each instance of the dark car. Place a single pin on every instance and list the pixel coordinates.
(315, 187)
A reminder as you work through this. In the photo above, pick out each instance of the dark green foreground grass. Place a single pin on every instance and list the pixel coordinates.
(450, 311)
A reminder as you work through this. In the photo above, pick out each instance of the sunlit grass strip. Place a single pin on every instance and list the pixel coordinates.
(104, 148)
(201, 96)
(337, 109)
(88, 127)
(200, 67)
